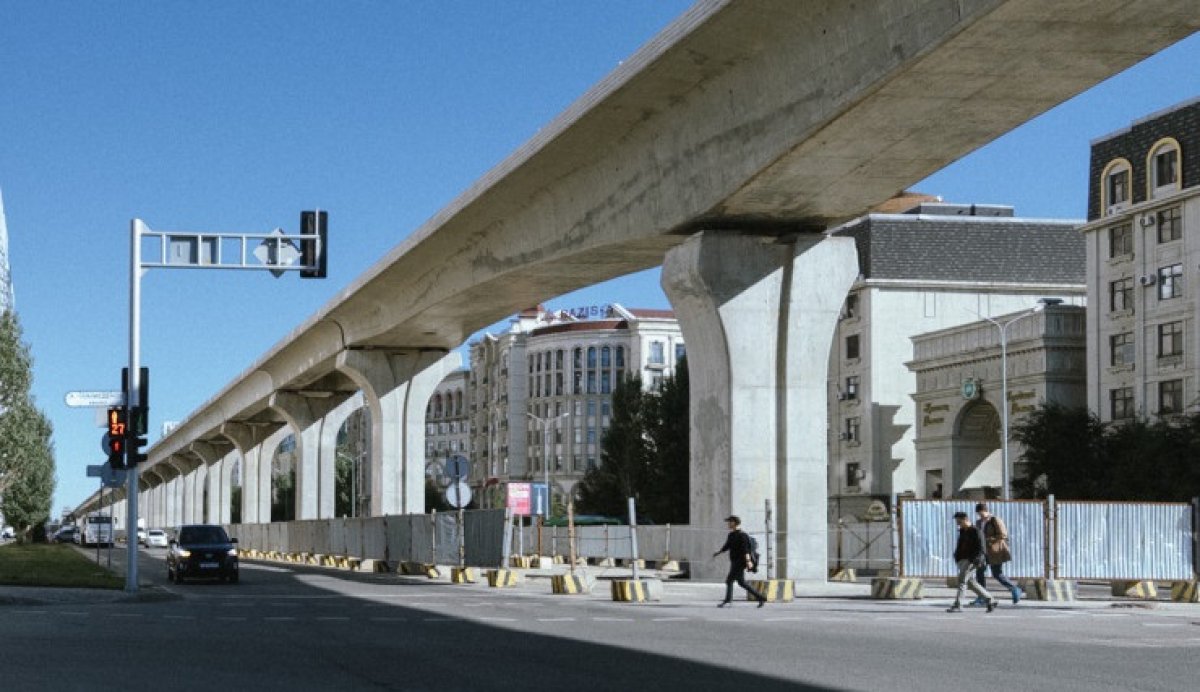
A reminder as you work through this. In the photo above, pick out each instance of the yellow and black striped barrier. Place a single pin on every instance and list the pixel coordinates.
(420, 569)
(843, 574)
(774, 590)
(1185, 591)
(628, 591)
(1048, 589)
(568, 584)
(896, 588)
(501, 578)
(521, 561)
(462, 575)
(1145, 590)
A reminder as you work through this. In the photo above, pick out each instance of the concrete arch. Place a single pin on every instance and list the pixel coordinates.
(976, 435)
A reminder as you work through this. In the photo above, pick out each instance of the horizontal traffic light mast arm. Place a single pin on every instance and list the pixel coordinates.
(275, 251)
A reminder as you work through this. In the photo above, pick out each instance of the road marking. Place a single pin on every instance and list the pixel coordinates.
(231, 618)
(333, 617)
(1164, 624)
(602, 619)
(671, 619)
(279, 619)
(74, 613)
(497, 619)
(31, 612)
(556, 619)
(785, 619)
(179, 617)
(438, 619)
(126, 615)
(387, 619)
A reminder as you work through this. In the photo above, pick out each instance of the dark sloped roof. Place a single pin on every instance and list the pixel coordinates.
(949, 248)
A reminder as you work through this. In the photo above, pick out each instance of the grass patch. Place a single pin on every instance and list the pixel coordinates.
(41, 564)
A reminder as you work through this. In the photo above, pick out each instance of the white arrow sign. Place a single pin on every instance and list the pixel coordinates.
(94, 399)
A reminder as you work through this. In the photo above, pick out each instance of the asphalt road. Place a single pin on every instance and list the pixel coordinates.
(296, 628)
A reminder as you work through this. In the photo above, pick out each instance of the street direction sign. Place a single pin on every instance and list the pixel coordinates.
(109, 477)
(540, 499)
(277, 251)
(457, 467)
(458, 494)
(96, 470)
(94, 399)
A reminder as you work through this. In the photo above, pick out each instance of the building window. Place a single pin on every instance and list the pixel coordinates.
(1121, 402)
(1116, 186)
(591, 382)
(851, 307)
(605, 382)
(852, 387)
(1170, 339)
(606, 357)
(1170, 397)
(680, 352)
(578, 359)
(1170, 225)
(1120, 240)
(620, 356)
(851, 433)
(852, 475)
(591, 407)
(591, 435)
(591, 357)
(578, 381)
(1120, 295)
(591, 463)
(1170, 282)
(657, 356)
(1164, 167)
(852, 347)
(558, 359)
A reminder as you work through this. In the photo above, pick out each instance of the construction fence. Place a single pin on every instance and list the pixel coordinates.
(1060, 540)
(432, 538)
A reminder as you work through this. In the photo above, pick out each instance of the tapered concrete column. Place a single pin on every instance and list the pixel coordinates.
(331, 424)
(207, 454)
(305, 415)
(248, 439)
(225, 508)
(758, 316)
(396, 386)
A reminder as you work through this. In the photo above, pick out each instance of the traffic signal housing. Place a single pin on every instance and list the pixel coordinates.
(115, 438)
(314, 251)
(135, 437)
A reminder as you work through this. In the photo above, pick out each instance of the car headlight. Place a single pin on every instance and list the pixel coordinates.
(232, 552)
(184, 553)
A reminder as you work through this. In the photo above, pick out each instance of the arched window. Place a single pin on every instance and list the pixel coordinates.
(437, 405)
(458, 402)
(1162, 168)
(591, 356)
(1115, 187)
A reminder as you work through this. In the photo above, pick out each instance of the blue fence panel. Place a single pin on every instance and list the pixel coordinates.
(1124, 540)
(928, 536)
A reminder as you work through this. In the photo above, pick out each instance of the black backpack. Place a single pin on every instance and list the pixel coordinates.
(753, 566)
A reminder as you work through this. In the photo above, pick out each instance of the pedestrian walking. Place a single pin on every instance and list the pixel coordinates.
(741, 558)
(997, 549)
(969, 554)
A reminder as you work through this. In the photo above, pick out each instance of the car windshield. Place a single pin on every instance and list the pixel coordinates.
(202, 534)
(155, 532)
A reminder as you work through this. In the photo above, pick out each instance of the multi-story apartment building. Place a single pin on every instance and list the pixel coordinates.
(1143, 254)
(933, 267)
(447, 423)
(540, 394)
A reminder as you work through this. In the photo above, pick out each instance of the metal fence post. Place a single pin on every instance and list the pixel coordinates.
(633, 548)
(1196, 537)
(1051, 538)
(770, 541)
(506, 540)
(894, 520)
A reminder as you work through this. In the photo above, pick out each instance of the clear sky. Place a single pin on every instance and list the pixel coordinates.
(237, 115)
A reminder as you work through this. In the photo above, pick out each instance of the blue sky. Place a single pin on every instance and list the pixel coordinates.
(236, 115)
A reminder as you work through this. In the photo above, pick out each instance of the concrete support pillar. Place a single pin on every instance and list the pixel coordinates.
(758, 316)
(396, 386)
(331, 424)
(225, 507)
(305, 415)
(266, 458)
(207, 455)
(248, 439)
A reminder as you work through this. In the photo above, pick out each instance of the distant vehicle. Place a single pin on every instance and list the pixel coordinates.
(202, 551)
(67, 534)
(156, 538)
(141, 534)
(96, 530)
(8, 532)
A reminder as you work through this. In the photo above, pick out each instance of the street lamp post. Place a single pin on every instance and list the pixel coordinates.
(1005, 469)
(545, 423)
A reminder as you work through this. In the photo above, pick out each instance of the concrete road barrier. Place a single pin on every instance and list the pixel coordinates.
(501, 578)
(1185, 591)
(569, 584)
(462, 575)
(520, 561)
(1145, 590)
(843, 574)
(628, 591)
(781, 590)
(896, 588)
(1048, 589)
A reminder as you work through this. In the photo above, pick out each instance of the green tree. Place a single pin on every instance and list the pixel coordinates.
(668, 427)
(1064, 453)
(26, 450)
(624, 456)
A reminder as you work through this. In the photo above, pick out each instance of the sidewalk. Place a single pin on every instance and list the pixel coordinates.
(37, 595)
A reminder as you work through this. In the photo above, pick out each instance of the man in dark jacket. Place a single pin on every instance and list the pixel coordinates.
(968, 556)
(738, 546)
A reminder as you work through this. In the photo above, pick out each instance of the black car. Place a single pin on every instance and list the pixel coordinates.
(66, 534)
(202, 551)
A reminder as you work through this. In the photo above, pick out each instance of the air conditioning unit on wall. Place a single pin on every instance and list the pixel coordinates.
(1148, 280)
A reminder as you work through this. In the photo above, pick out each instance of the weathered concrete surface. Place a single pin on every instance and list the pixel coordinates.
(758, 314)
(782, 114)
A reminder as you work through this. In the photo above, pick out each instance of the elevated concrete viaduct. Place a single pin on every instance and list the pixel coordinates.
(724, 147)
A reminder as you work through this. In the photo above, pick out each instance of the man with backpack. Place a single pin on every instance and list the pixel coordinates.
(741, 551)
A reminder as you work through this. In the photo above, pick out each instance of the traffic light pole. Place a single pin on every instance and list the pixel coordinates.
(133, 401)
